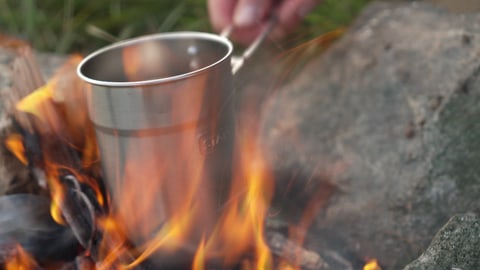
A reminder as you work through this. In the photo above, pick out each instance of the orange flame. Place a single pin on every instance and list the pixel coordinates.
(246, 212)
(372, 265)
(58, 113)
(20, 260)
(57, 193)
(199, 260)
(186, 218)
(240, 229)
(14, 144)
(60, 106)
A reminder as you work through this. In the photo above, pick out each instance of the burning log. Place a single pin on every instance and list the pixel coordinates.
(79, 211)
(15, 177)
(45, 141)
(79, 204)
(25, 219)
(291, 252)
(38, 144)
(26, 78)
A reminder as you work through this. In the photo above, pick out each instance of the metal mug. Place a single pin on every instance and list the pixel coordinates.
(163, 110)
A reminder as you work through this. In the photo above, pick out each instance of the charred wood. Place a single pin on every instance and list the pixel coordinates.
(295, 254)
(26, 77)
(25, 219)
(15, 177)
(78, 211)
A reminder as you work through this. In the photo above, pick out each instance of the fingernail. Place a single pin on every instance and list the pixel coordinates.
(245, 15)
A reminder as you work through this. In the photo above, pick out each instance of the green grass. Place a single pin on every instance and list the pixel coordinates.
(66, 26)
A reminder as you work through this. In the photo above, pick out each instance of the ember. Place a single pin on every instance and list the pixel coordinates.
(20, 260)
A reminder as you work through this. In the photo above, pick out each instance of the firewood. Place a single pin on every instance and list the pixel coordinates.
(26, 78)
(15, 177)
(293, 253)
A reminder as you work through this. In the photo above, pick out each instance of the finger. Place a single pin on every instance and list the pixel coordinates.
(249, 13)
(221, 13)
(291, 13)
(245, 35)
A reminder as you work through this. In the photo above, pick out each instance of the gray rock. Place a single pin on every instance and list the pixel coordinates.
(456, 246)
(459, 5)
(389, 115)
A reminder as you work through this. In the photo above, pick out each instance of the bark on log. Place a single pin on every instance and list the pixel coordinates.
(14, 176)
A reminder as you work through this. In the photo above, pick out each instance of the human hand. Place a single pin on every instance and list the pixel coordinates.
(248, 17)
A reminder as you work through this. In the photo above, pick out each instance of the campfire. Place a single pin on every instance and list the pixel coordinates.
(365, 154)
(52, 137)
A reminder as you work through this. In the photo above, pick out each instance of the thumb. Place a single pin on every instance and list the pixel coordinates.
(291, 12)
(251, 12)
(221, 13)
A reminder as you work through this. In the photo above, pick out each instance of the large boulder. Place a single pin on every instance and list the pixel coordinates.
(456, 246)
(459, 5)
(390, 115)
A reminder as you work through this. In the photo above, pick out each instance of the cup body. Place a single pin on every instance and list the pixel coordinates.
(162, 107)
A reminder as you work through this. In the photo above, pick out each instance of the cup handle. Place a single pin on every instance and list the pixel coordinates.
(238, 61)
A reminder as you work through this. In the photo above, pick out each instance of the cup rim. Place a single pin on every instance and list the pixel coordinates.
(168, 35)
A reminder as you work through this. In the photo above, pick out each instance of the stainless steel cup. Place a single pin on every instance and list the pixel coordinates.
(162, 107)
(163, 110)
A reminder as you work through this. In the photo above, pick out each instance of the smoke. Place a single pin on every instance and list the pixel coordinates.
(25, 219)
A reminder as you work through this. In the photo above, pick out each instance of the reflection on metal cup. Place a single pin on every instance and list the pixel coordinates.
(162, 107)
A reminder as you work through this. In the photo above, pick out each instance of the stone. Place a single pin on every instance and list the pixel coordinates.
(463, 6)
(455, 246)
(389, 115)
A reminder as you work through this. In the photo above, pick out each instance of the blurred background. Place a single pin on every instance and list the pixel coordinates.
(66, 26)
